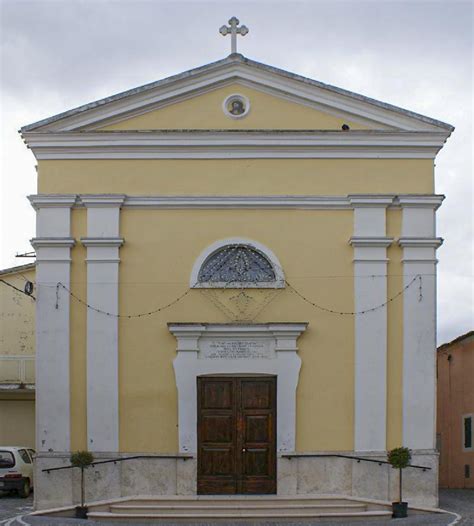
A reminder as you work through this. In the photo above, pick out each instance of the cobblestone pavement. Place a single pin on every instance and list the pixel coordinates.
(11, 506)
(458, 501)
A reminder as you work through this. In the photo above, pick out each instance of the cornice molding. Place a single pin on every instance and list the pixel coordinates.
(415, 201)
(102, 201)
(109, 242)
(52, 201)
(381, 242)
(52, 242)
(370, 201)
(255, 202)
(188, 334)
(420, 242)
(238, 144)
(239, 202)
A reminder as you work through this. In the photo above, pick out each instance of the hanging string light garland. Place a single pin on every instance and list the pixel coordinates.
(293, 289)
(365, 311)
(112, 315)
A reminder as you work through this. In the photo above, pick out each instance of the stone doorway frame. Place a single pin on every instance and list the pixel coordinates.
(279, 358)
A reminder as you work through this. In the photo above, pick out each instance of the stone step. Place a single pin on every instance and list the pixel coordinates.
(237, 500)
(236, 514)
(255, 508)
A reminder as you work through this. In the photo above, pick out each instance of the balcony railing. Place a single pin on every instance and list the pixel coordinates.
(17, 370)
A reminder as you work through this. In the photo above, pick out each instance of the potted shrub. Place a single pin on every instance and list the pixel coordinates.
(399, 458)
(82, 459)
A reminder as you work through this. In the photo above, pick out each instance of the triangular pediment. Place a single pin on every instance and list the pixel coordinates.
(206, 111)
(278, 100)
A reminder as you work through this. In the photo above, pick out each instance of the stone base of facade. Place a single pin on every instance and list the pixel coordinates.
(177, 476)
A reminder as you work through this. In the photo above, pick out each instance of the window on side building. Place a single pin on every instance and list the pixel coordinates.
(467, 432)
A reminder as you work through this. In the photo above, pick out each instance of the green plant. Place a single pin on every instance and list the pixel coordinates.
(82, 459)
(399, 458)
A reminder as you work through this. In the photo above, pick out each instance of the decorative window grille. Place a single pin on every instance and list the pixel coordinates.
(237, 265)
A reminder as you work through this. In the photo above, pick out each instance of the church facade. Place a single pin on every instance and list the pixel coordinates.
(236, 276)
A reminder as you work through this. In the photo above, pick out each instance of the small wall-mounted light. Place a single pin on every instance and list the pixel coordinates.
(29, 287)
(345, 127)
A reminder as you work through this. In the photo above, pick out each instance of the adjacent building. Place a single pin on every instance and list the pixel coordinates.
(455, 422)
(17, 358)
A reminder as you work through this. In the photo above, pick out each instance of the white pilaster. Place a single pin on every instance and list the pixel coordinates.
(53, 261)
(370, 289)
(419, 319)
(103, 244)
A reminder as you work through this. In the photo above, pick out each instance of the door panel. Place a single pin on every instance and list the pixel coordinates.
(216, 436)
(236, 435)
(257, 410)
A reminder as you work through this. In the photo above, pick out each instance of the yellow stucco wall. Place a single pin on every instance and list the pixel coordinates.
(394, 333)
(151, 277)
(205, 112)
(237, 176)
(17, 329)
(78, 349)
(17, 421)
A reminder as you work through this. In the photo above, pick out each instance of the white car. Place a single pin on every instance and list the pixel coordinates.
(16, 469)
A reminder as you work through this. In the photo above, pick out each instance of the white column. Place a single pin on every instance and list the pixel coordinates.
(53, 262)
(419, 319)
(103, 244)
(370, 289)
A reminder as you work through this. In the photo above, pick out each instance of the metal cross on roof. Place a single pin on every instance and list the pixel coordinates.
(234, 31)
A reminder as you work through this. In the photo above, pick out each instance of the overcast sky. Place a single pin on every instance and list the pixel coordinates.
(58, 54)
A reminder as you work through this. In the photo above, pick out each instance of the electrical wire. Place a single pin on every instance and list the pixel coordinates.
(18, 290)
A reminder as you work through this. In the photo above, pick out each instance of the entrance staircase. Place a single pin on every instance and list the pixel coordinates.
(205, 508)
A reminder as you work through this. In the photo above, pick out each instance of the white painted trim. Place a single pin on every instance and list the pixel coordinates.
(383, 242)
(51, 200)
(236, 96)
(221, 144)
(191, 362)
(282, 202)
(103, 243)
(102, 200)
(238, 69)
(419, 242)
(52, 375)
(52, 242)
(259, 247)
(370, 330)
(419, 322)
(370, 200)
(433, 201)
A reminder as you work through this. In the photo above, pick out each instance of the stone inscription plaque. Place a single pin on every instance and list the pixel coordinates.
(236, 349)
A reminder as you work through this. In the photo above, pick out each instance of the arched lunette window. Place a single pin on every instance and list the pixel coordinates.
(237, 263)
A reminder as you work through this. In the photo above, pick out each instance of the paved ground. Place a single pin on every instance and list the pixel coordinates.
(14, 512)
(10, 506)
(460, 501)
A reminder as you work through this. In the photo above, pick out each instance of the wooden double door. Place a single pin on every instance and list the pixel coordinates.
(236, 435)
